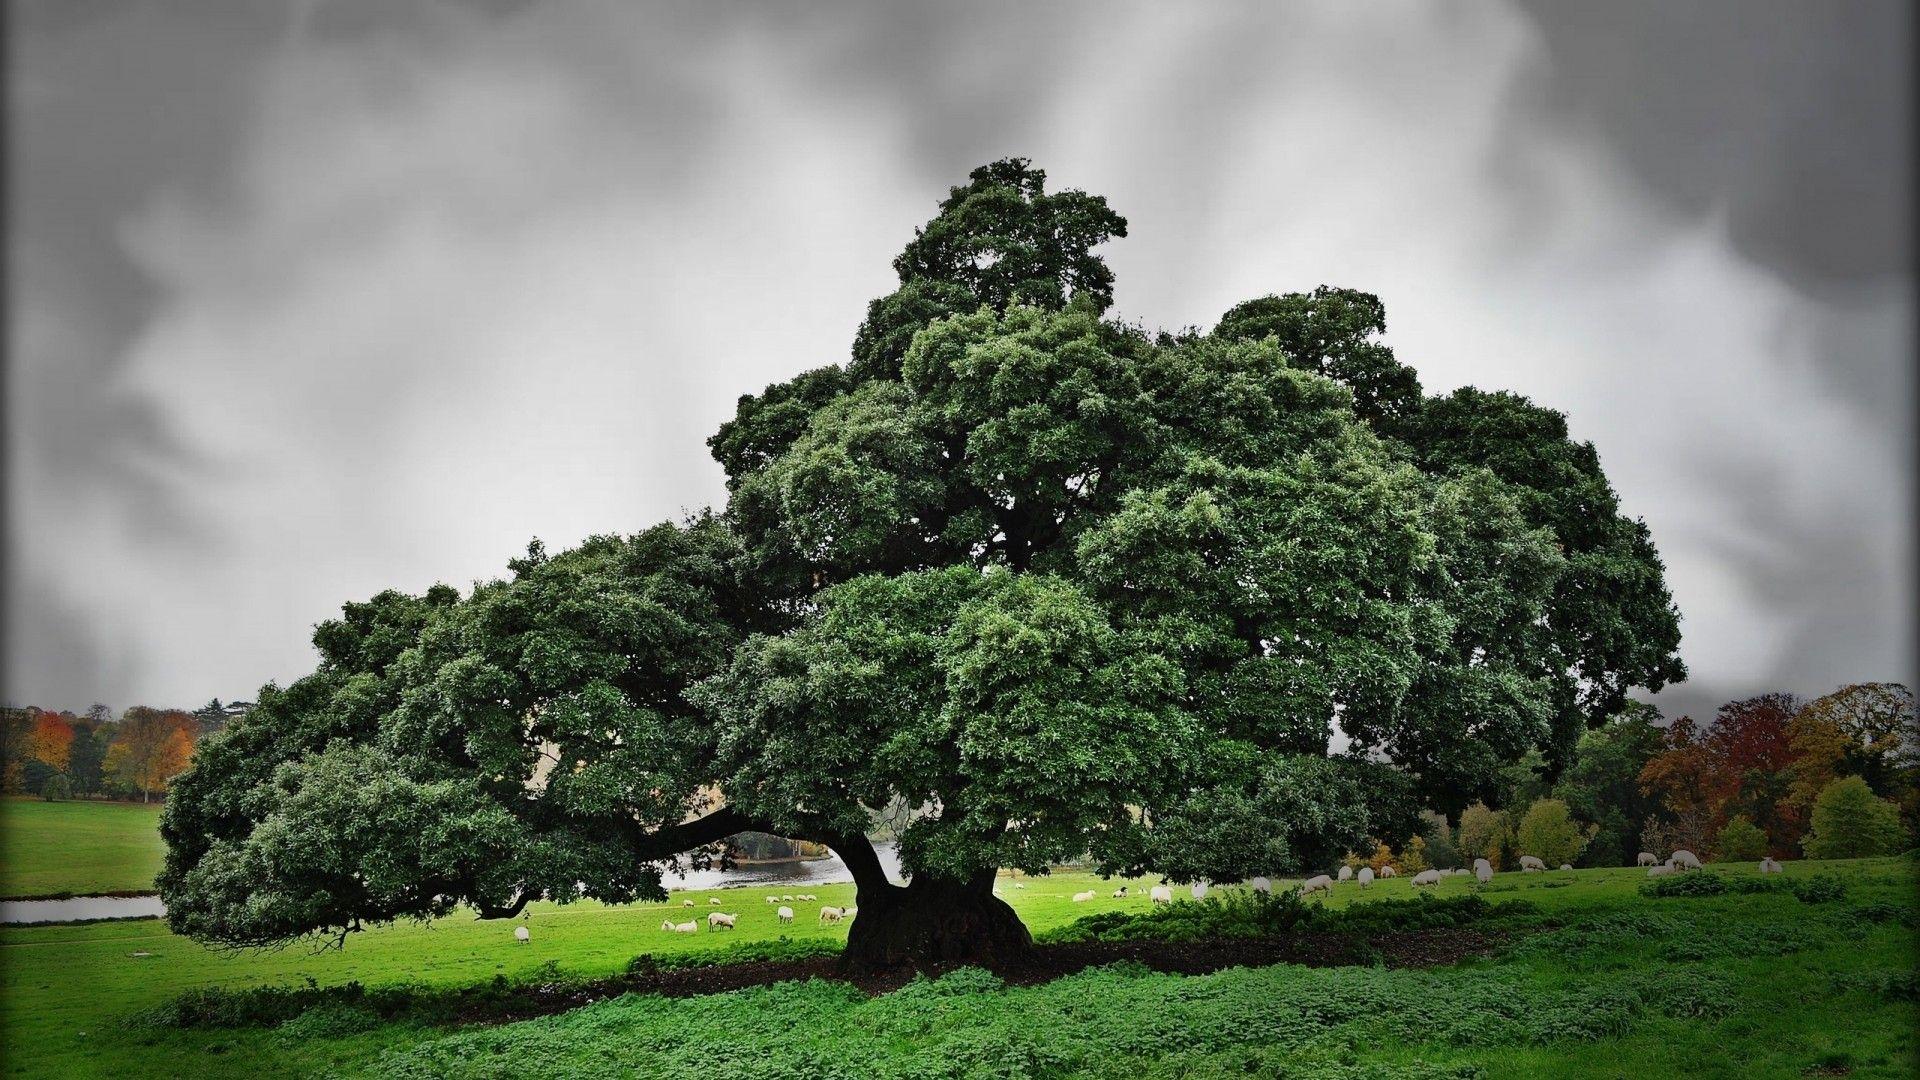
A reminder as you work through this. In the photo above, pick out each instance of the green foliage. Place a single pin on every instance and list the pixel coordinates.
(57, 788)
(1819, 889)
(1849, 822)
(1739, 840)
(1694, 883)
(1484, 834)
(1063, 588)
(1548, 832)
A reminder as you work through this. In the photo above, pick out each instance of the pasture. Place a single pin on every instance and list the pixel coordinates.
(77, 848)
(1603, 982)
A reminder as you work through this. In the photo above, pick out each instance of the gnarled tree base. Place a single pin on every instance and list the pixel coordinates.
(934, 922)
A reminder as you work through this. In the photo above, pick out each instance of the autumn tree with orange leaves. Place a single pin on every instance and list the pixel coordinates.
(151, 748)
(50, 740)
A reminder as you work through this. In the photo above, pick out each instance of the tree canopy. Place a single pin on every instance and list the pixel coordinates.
(1062, 587)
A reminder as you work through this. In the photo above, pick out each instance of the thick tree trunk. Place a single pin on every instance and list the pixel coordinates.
(930, 921)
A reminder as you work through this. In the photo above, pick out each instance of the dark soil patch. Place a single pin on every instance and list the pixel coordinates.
(1406, 949)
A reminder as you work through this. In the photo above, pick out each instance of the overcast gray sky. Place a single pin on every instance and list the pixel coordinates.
(310, 300)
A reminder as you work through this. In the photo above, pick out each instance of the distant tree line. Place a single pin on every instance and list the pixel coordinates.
(64, 755)
(1836, 777)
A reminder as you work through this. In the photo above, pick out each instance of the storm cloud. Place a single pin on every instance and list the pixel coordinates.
(307, 301)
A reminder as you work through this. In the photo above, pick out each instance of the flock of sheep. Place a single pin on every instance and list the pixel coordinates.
(1680, 860)
(719, 920)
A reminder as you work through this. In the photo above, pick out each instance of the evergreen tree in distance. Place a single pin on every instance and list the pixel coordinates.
(1066, 588)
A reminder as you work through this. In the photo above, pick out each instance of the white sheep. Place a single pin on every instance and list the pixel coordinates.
(1366, 876)
(1120, 893)
(1769, 866)
(717, 919)
(1479, 864)
(1388, 871)
(713, 900)
(1160, 894)
(1426, 877)
(773, 899)
(681, 928)
(1648, 858)
(785, 913)
(1532, 864)
(1566, 866)
(1684, 859)
(686, 903)
(1315, 884)
(1657, 871)
(1346, 873)
(1083, 897)
(520, 934)
(1199, 890)
(831, 914)
(1483, 874)
(805, 896)
(1261, 885)
(787, 897)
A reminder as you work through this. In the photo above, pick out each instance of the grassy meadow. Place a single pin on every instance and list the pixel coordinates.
(1601, 981)
(77, 848)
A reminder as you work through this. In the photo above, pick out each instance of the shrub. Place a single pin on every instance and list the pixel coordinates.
(1740, 840)
(1697, 883)
(57, 788)
(1819, 889)
(1413, 857)
(1548, 832)
(779, 949)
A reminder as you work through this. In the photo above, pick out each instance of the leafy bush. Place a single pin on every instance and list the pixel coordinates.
(1247, 915)
(330, 1020)
(1886, 985)
(1548, 832)
(1819, 889)
(57, 788)
(1694, 883)
(1740, 840)
(1881, 911)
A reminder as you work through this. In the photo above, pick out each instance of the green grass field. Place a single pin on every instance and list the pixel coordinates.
(1735, 985)
(77, 848)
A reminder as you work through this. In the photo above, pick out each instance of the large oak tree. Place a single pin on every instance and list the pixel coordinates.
(1062, 587)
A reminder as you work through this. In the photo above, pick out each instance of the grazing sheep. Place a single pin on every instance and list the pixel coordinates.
(1657, 871)
(681, 928)
(1768, 866)
(785, 913)
(1346, 873)
(831, 914)
(1366, 875)
(1684, 859)
(1160, 894)
(789, 896)
(806, 896)
(520, 934)
(1120, 893)
(1261, 885)
(1315, 884)
(718, 919)
(1483, 874)
(713, 900)
(1426, 877)
(1531, 864)
(1648, 858)
(1479, 863)
(1388, 871)
(1083, 897)
(1566, 866)
(1199, 890)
